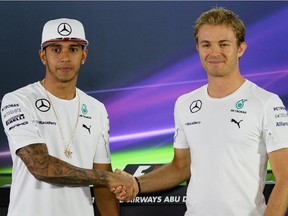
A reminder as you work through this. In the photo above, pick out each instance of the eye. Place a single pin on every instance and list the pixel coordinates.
(55, 50)
(206, 45)
(224, 45)
(74, 49)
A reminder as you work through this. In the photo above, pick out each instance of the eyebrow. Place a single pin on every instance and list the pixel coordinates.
(59, 45)
(221, 41)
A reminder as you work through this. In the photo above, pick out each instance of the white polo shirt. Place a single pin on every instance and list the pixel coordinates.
(28, 118)
(229, 139)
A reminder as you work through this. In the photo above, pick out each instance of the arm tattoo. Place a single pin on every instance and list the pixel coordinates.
(55, 171)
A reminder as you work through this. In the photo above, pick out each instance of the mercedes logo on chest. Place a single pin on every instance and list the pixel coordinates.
(195, 106)
(43, 105)
(64, 29)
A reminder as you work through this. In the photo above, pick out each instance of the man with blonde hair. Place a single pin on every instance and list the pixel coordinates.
(225, 132)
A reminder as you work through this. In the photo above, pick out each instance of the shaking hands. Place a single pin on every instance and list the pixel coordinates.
(125, 186)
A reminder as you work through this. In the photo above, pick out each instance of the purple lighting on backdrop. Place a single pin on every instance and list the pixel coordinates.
(141, 135)
(4, 154)
(146, 109)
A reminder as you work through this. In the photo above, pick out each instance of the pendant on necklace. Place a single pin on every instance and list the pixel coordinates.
(68, 153)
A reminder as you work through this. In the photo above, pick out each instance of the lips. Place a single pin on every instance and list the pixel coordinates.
(216, 61)
(65, 68)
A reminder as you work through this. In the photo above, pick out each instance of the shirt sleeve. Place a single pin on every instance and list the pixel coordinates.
(18, 122)
(179, 135)
(103, 154)
(275, 129)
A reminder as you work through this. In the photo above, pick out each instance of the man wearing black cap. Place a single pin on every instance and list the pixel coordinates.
(59, 136)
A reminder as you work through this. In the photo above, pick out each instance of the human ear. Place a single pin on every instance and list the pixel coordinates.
(242, 48)
(42, 56)
(84, 56)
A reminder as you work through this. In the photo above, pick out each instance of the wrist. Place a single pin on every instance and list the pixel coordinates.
(138, 184)
(109, 179)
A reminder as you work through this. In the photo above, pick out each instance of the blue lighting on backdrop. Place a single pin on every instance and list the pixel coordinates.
(141, 107)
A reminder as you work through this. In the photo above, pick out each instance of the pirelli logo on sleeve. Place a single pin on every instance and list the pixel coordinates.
(15, 119)
(13, 115)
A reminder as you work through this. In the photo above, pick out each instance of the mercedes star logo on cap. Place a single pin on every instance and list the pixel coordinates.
(64, 29)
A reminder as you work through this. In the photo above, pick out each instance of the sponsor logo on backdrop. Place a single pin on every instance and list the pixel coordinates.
(176, 195)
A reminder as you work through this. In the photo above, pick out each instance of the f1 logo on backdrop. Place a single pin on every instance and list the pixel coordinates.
(141, 169)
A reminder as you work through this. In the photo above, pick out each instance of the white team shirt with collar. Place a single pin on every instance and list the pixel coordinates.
(229, 139)
(28, 118)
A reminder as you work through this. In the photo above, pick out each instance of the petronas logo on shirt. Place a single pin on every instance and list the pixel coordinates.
(240, 103)
(84, 109)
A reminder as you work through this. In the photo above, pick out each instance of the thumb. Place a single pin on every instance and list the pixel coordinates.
(117, 171)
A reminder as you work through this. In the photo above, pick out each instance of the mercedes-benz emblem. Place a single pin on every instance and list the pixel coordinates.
(42, 105)
(195, 106)
(64, 29)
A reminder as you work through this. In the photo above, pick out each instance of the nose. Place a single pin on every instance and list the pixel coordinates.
(65, 56)
(215, 50)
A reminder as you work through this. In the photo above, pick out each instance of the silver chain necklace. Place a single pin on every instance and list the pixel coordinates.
(67, 145)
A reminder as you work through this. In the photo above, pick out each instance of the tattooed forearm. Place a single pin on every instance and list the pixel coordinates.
(60, 172)
(55, 171)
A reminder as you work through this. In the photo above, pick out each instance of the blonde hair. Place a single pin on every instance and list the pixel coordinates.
(221, 16)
